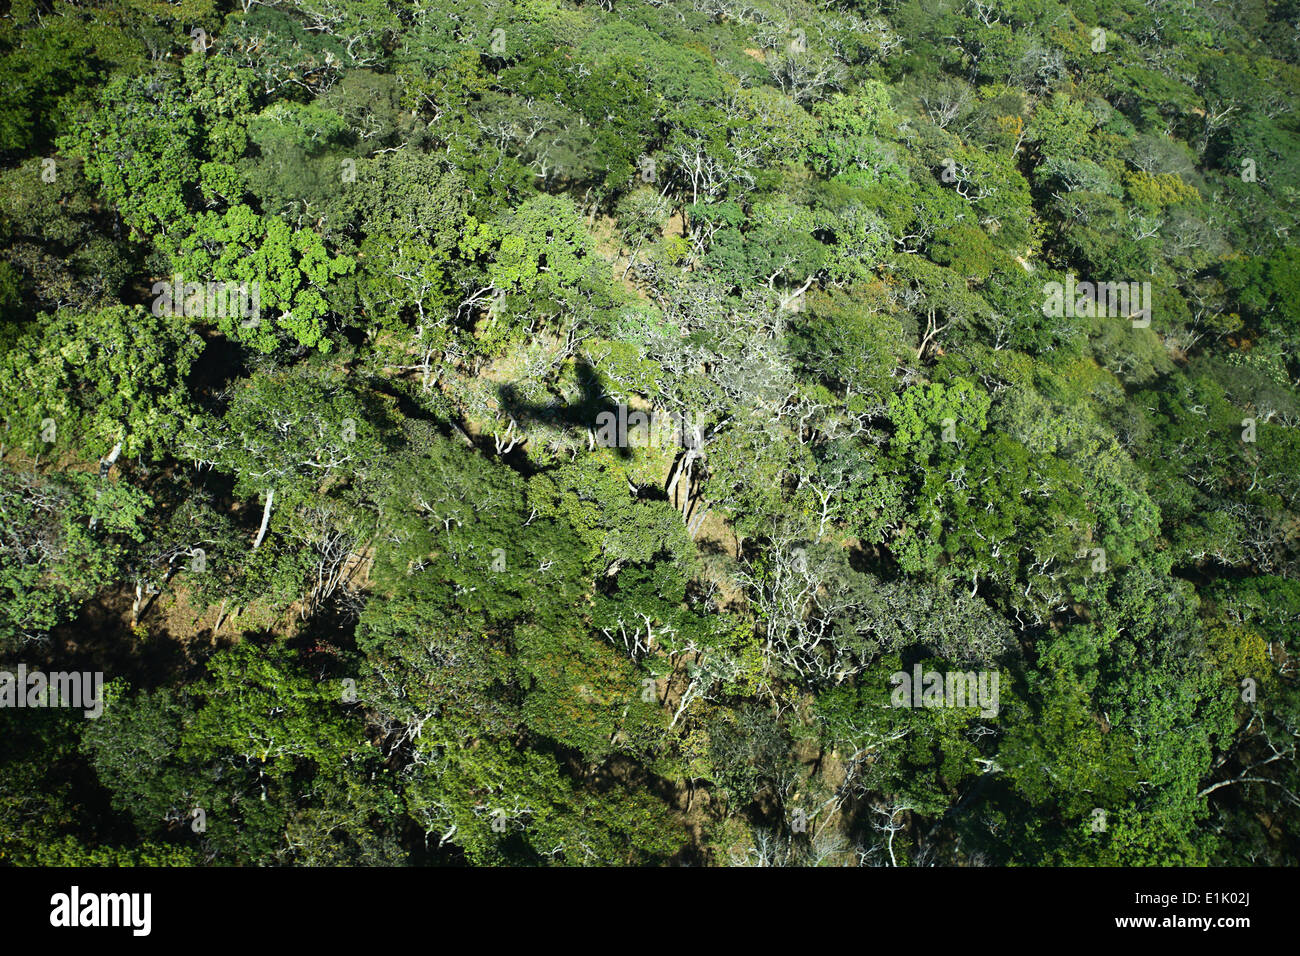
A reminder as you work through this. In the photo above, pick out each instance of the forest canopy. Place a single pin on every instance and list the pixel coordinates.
(649, 432)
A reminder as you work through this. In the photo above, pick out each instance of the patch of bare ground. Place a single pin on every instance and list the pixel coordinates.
(168, 640)
(172, 634)
(609, 246)
(716, 537)
(19, 459)
(698, 808)
(676, 225)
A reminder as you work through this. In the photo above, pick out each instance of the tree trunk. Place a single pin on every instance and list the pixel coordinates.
(135, 605)
(266, 518)
(104, 465)
(107, 463)
(632, 260)
(154, 595)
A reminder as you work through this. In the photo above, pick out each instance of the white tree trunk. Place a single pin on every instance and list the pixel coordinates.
(135, 605)
(266, 518)
(106, 463)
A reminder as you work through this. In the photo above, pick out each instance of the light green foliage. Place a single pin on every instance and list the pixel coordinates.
(536, 249)
(140, 147)
(223, 95)
(87, 383)
(292, 270)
